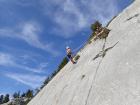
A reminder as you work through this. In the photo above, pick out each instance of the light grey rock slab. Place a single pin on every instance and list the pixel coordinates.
(95, 80)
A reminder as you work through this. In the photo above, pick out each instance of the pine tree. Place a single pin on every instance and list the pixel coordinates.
(6, 98)
(29, 93)
(23, 95)
(63, 63)
(15, 95)
(1, 99)
(37, 91)
(46, 81)
(18, 94)
(96, 25)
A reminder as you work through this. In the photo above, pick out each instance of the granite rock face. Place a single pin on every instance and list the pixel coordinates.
(96, 80)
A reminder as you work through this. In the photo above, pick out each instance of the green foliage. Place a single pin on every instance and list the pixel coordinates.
(1, 99)
(104, 34)
(45, 82)
(20, 99)
(29, 93)
(16, 95)
(23, 95)
(27, 101)
(37, 90)
(95, 26)
(63, 63)
(54, 73)
(6, 98)
(76, 57)
(99, 32)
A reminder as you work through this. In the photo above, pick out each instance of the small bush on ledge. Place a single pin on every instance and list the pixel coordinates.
(76, 57)
(104, 33)
(98, 32)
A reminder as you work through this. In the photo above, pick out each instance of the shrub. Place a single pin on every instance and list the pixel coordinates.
(1, 99)
(27, 101)
(6, 98)
(100, 33)
(48, 79)
(89, 41)
(104, 34)
(96, 25)
(29, 93)
(63, 63)
(76, 57)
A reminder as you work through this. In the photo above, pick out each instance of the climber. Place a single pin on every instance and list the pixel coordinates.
(69, 54)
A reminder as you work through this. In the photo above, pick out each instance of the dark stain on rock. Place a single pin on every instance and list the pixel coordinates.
(136, 15)
(83, 76)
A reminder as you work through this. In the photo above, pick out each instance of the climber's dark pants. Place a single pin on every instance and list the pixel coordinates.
(69, 56)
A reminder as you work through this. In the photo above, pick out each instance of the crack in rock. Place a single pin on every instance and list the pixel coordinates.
(93, 80)
(104, 51)
(136, 15)
(57, 100)
(100, 54)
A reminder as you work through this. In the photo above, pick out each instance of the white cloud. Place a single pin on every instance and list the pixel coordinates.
(8, 60)
(72, 16)
(33, 81)
(5, 59)
(42, 66)
(29, 32)
(27, 58)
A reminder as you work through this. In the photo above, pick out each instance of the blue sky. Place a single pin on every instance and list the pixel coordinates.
(34, 33)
